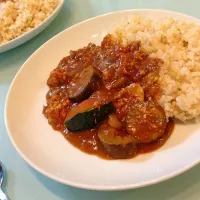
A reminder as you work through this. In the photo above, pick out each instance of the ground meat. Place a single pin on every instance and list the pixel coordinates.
(57, 107)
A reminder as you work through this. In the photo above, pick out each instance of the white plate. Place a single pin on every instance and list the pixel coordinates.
(48, 152)
(32, 33)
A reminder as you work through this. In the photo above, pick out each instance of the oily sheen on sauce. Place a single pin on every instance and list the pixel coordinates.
(120, 67)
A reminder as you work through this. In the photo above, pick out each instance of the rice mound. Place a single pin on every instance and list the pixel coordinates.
(177, 43)
(20, 16)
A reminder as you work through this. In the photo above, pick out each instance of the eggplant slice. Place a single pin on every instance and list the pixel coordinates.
(84, 84)
(116, 142)
(146, 121)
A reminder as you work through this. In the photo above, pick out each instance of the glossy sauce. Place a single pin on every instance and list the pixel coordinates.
(88, 142)
(120, 66)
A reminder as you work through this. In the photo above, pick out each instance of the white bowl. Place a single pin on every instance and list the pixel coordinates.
(48, 152)
(32, 33)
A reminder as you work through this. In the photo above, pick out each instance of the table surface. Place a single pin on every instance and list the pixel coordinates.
(24, 183)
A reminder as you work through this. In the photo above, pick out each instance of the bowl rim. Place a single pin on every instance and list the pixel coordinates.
(89, 186)
(10, 42)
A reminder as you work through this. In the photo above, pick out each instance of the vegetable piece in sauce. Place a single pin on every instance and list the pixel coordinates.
(116, 142)
(114, 122)
(84, 84)
(121, 68)
(126, 97)
(146, 121)
(87, 115)
(136, 90)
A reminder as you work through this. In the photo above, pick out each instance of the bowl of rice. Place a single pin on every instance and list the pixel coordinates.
(21, 20)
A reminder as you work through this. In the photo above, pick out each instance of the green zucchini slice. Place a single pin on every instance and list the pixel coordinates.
(88, 119)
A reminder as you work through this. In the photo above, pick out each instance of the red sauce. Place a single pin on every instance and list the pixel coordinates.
(120, 66)
(89, 142)
(145, 148)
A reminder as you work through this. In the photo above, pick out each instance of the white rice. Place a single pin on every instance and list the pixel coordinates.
(177, 43)
(20, 16)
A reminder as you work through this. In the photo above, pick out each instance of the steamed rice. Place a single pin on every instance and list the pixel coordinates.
(20, 16)
(177, 43)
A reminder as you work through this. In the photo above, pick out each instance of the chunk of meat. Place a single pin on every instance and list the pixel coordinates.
(73, 64)
(146, 121)
(137, 65)
(84, 84)
(116, 142)
(62, 76)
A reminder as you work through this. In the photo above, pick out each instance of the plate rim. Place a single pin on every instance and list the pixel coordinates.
(82, 185)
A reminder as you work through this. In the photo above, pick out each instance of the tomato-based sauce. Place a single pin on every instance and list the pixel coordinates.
(89, 142)
(109, 73)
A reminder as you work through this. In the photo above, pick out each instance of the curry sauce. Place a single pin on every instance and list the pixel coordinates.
(120, 70)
